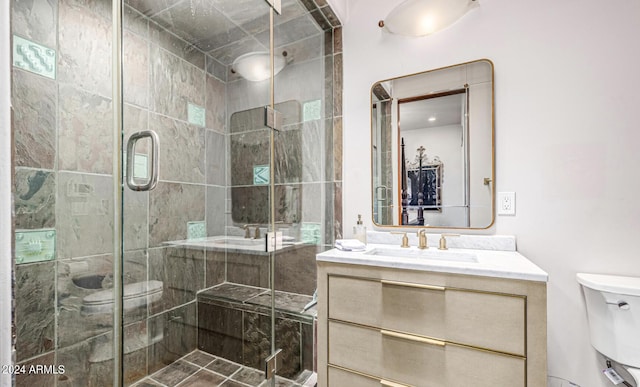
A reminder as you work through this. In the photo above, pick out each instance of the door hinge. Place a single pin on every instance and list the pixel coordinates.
(276, 5)
(272, 118)
(271, 364)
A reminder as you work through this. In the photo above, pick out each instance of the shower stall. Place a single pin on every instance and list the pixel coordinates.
(177, 168)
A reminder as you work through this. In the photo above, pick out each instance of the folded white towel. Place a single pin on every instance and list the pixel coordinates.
(350, 245)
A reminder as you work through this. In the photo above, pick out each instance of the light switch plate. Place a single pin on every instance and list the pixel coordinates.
(506, 203)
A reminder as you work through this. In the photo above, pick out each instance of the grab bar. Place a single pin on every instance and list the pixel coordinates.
(131, 145)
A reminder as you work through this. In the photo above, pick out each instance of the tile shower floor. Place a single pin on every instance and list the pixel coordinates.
(200, 369)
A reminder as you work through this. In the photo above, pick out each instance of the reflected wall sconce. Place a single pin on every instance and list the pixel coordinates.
(424, 17)
(255, 66)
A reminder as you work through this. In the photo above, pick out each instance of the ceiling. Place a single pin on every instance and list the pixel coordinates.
(446, 111)
(226, 29)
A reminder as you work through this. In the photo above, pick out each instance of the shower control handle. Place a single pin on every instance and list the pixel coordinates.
(131, 147)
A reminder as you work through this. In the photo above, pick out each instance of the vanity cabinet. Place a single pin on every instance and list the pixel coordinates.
(396, 327)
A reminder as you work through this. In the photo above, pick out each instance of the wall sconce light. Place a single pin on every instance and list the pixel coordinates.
(255, 66)
(424, 17)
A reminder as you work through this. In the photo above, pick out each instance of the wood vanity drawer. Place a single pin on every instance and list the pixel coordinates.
(480, 319)
(416, 361)
(340, 377)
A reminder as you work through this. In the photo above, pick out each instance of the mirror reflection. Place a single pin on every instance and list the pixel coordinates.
(432, 148)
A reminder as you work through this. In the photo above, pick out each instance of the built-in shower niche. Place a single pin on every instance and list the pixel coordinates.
(251, 168)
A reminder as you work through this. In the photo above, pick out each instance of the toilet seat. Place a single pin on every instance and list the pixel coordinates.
(134, 295)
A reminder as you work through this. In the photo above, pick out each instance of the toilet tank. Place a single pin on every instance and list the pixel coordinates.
(613, 310)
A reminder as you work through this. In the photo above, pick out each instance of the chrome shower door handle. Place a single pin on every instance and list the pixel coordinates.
(131, 146)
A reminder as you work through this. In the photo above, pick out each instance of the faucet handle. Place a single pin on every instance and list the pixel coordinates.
(443, 240)
(422, 239)
(247, 230)
(405, 239)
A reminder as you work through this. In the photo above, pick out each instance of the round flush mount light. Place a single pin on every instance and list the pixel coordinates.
(424, 17)
(256, 66)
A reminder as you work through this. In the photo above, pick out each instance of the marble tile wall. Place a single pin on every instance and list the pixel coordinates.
(63, 180)
(62, 131)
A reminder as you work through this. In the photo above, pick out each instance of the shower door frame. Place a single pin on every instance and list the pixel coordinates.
(119, 187)
(6, 222)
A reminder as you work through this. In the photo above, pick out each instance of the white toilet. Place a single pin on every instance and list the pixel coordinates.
(613, 309)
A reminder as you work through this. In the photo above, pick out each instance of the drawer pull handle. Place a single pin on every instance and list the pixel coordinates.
(388, 383)
(418, 339)
(412, 285)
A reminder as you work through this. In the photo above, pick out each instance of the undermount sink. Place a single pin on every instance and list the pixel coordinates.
(440, 255)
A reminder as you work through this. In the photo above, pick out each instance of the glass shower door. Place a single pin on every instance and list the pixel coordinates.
(195, 265)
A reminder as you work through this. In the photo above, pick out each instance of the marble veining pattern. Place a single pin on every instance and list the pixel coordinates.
(182, 149)
(83, 215)
(36, 20)
(174, 83)
(35, 199)
(84, 45)
(169, 222)
(200, 23)
(36, 309)
(34, 104)
(478, 242)
(215, 152)
(84, 138)
(215, 104)
(135, 69)
(178, 329)
(181, 271)
(173, 44)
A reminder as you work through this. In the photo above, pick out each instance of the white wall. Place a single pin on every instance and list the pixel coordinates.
(340, 8)
(5, 195)
(567, 136)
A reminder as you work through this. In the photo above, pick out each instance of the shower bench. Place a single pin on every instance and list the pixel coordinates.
(234, 322)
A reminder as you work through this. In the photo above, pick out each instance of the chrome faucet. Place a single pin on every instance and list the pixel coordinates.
(422, 239)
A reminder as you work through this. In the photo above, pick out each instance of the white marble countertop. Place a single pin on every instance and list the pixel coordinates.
(489, 263)
(233, 244)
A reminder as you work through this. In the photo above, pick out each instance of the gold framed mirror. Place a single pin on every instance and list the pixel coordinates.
(433, 148)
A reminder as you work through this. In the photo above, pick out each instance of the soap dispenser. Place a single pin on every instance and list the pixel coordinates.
(360, 230)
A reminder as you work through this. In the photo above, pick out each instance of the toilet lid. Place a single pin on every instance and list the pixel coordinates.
(130, 291)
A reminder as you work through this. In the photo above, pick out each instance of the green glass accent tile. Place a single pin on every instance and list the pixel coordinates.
(260, 174)
(34, 57)
(141, 167)
(312, 110)
(310, 233)
(196, 230)
(35, 246)
(196, 115)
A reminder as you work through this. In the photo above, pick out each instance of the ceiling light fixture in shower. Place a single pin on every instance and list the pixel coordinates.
(424, 17)
(256, 66)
